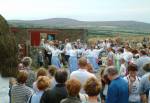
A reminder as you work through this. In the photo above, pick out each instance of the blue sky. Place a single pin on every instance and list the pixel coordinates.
(85, 10)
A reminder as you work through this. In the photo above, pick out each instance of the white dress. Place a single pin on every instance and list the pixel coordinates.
(55, 57)
(92, 58)
(73, 62)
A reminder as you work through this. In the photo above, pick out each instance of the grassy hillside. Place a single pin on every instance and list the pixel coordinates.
(94, 28)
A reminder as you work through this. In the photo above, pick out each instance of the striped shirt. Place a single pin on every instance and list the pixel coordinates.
(31, 78)
(20, 93)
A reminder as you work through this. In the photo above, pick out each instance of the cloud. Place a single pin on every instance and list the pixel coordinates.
(77, 9)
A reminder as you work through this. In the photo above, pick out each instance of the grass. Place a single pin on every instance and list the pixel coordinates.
(124, 38)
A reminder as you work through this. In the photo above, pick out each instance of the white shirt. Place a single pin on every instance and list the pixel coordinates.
(110, 55)
(56, 52)
(68, 47)
(134, 95)
(80, 52)
(105, 90)
(121, 56)
(108, 45)
(89, 53)
(46, 46)
(35, 87)
(82, 75)
(128, 56)
(97, 52)
(123, 70)
(49, 49)
(73, 52)
(140, 63)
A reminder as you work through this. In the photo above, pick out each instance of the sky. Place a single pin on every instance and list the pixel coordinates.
(84, 10)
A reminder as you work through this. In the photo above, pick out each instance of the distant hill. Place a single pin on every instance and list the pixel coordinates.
(54, 22)
(96, 27)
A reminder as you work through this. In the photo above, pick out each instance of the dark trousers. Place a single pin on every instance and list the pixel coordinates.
(134, 102)
(41, 64)
(63, 60)
(49, 59)
(67, 58)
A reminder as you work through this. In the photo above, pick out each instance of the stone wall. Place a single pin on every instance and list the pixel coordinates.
(72, 34)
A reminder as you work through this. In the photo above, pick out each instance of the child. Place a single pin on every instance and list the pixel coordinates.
(12, 82)
(40, 59)
(123, 69)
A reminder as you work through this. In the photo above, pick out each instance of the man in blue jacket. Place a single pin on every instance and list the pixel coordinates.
(118, 88)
